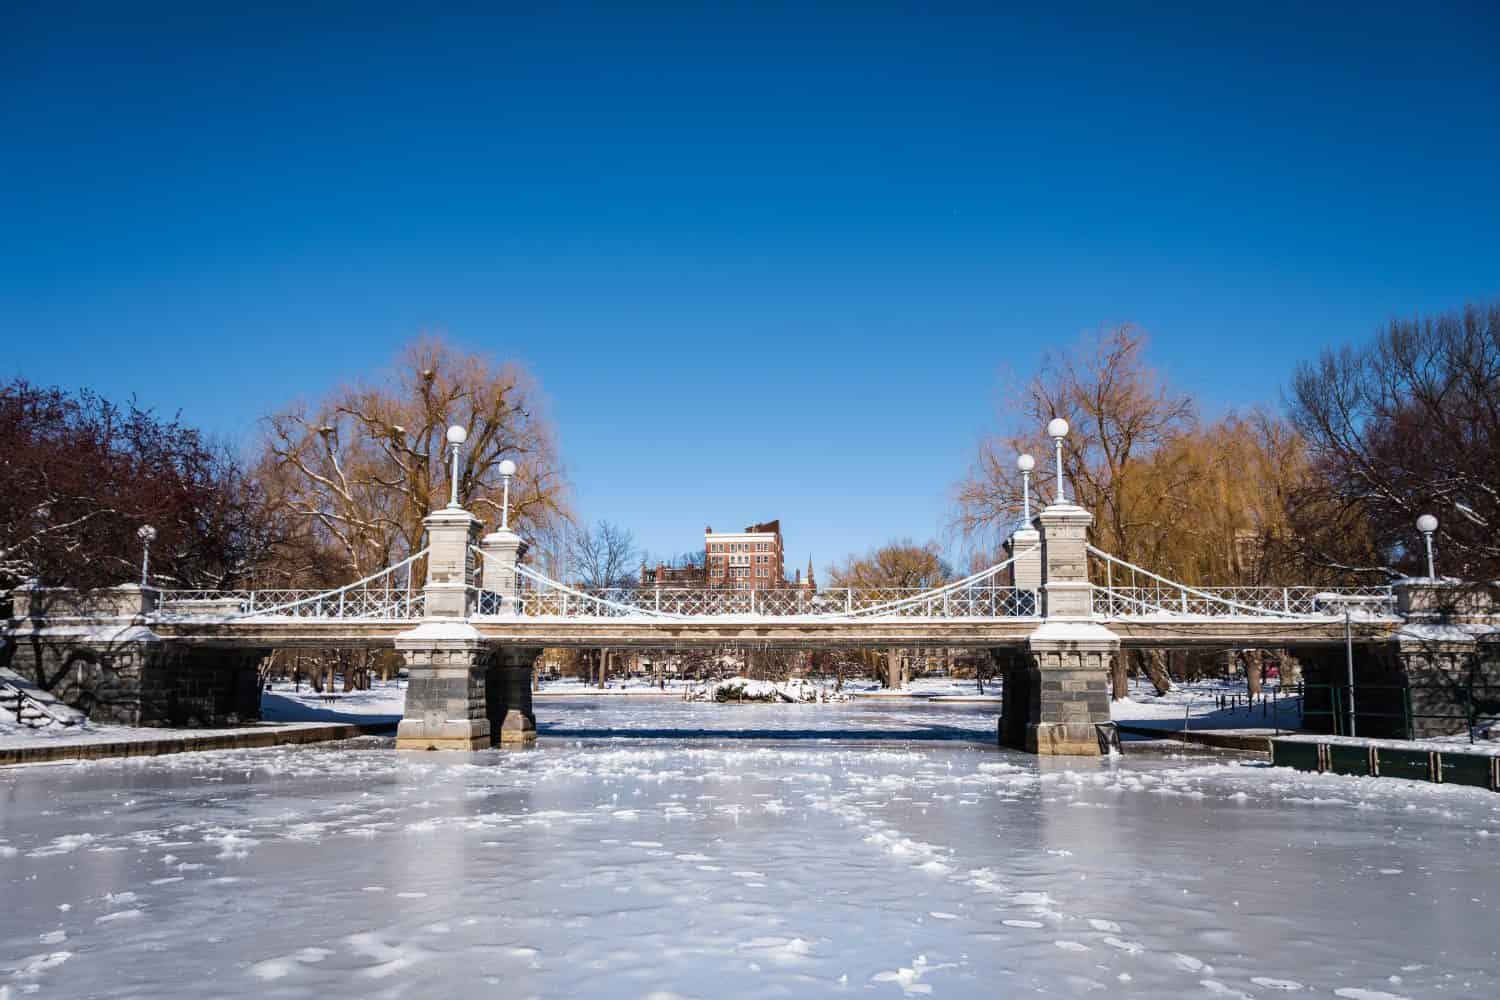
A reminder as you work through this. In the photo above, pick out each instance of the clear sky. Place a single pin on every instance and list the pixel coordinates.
(767, 261)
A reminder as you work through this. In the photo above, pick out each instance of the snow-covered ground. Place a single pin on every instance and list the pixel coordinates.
(927, 687)
(615, 686)
(384, 701)
(870, 848)
(1198, 702)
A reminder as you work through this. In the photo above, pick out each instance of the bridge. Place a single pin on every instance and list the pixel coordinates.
(470, 616)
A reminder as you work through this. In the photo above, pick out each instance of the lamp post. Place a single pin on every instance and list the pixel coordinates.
(1057, 430)
(1026, 463)
(507, 469)
(147, 535)
(1427, 524)
(456, 436)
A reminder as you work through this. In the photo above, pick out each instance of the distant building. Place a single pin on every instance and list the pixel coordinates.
(662, 575)
(753, 559)
(742, 560)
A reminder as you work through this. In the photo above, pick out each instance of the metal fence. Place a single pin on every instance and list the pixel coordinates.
(973, 602)
(1395, 710)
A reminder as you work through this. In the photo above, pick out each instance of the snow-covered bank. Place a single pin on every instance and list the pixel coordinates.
(385, 700)
(280, 706)
(615, 686)
(1198, 702)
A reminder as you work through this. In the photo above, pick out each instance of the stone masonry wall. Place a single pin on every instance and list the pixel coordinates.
(142, 681)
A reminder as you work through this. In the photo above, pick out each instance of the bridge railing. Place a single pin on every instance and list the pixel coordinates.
(1148, 595)
(391, 594)
(1218, 602)
(981, 601)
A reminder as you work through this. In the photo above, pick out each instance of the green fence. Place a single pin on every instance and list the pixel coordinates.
(1449, 767)
(1393, 714)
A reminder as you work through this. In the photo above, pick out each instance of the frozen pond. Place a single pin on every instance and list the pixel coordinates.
(868, 849)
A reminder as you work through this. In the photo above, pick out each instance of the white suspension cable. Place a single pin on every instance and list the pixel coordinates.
(946, 588)
(325, 595)
(1257, 612)
(536, 577)
(887, 606)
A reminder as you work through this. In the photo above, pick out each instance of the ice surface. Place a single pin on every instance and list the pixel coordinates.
(660, 848)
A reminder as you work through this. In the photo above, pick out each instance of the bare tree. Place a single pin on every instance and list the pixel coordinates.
(362, 468)
(81, 476)
(1407, 425)
(604, 556)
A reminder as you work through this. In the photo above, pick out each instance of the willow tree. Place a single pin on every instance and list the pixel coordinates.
(1122, 415)
(362, 467)
(1199, 504)
(898, 566)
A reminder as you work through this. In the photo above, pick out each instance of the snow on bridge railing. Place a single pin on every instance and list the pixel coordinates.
(391, 594)
(976, 596)
(1158, 597)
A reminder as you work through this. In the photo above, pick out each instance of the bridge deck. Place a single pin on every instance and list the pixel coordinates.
(774, 631)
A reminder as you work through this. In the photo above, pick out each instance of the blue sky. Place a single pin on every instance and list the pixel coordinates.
(766, 261)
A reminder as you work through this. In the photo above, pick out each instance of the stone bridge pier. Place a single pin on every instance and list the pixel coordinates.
(1056, 689)
(464, 691)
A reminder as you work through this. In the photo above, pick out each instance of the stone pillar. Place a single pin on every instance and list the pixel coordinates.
(511, 715)
(1026, 571)
(502, 549)
(1065, 567)
(1057, 689)
(448, 701)
(450, 531)
(1068, 687)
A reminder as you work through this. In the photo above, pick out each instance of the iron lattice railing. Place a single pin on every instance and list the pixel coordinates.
(982, 601)
(392, 594)
(538, 596)
(1148, 595)
(1219, 602)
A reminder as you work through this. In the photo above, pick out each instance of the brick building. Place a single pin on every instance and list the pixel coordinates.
(742, 560)
(753, 559)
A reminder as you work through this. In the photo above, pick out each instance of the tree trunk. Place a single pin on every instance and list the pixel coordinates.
(603, 667)
(1251, 660)
(1153, 663)
(1288, 669)
(893, 669)
(1119, 677)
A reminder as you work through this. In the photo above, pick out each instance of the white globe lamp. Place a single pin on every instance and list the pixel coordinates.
(507, 470)
(1427, 525)
(1057, 429)
(1026, 463)
(456, 437)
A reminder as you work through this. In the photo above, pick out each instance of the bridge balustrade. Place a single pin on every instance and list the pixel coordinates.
(678, 602)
